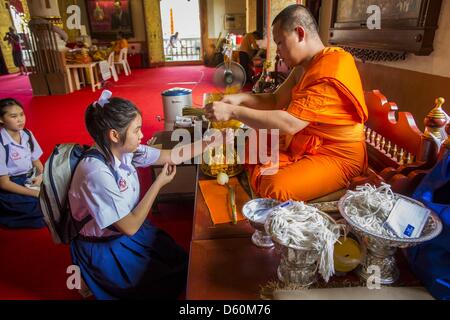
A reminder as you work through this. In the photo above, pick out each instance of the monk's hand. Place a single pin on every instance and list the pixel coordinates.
(234, 99)
(219, 111)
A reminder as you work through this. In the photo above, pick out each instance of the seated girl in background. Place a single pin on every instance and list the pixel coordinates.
(121, 255)
(20, 169)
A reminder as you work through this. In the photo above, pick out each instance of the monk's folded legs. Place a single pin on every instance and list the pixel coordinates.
(307, 179)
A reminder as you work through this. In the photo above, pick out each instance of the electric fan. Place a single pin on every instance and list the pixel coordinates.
(229, 76)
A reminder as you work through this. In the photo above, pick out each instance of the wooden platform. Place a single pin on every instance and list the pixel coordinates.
(224, 264)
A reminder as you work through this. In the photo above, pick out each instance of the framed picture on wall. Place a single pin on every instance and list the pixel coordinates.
(406, 25)
(109, 17)
(393, 13)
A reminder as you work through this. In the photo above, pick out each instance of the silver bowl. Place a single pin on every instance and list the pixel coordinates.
(259, 238)
(381, 249)
(297, 266)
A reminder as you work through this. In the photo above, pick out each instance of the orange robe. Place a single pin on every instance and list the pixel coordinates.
(323, 157)
(119, 45)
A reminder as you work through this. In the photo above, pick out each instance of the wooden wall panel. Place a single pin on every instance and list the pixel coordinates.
(275, 7)
(5, 23)
(251, 15)
(152, 14)
(412, 91)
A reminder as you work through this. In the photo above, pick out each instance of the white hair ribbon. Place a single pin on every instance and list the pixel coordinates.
(104, 98)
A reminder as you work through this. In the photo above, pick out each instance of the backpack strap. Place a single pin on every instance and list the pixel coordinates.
(96, 154)
(80, 224)
(6, 146)
(6, 149)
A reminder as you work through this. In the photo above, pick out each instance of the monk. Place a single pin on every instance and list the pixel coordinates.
(320, 108)
(119, 44)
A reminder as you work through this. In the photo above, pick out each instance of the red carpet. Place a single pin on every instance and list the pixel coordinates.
(32, 267)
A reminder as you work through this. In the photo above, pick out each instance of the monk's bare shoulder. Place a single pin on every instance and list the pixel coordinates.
(297, 73)
(283, 93)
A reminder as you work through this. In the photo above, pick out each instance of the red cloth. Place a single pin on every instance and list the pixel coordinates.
(17, 4)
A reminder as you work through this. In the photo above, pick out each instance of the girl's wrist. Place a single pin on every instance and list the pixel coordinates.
(157, 184)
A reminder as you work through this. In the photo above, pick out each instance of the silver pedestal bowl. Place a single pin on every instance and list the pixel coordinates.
(381, 249)
(251, 210)
(298, 266)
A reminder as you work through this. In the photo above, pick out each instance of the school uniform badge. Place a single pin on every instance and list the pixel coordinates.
(15, 155)
(122, 184)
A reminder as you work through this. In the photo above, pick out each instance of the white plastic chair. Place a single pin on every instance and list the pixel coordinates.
(105, 71)
(112, 67)
(123, 61)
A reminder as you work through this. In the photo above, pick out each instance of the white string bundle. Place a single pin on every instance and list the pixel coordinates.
(304, 227)
(369, 207)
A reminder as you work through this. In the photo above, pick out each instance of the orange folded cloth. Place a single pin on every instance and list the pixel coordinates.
(217, 199)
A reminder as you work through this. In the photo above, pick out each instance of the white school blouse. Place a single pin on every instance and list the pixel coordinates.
(96, 192)
(20, 155)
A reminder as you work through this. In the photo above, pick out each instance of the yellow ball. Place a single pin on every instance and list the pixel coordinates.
(347, 255)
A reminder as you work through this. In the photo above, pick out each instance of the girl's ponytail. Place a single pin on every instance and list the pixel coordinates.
(104, 115)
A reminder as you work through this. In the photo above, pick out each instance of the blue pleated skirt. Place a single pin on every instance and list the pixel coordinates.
(19, 211)
(147, 265)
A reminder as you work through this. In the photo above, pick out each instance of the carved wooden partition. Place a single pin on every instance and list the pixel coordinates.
(392, 137)
(399, 153)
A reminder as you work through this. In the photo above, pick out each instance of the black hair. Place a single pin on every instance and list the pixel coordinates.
(297, 15)
(8, 102)
(117, 114)
(258, 35)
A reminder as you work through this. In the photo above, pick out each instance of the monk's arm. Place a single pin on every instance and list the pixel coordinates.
(269, 119)
(277, 100)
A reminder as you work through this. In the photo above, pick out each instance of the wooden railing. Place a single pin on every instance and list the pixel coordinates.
(399, 153)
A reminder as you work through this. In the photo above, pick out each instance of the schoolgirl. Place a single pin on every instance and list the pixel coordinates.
(121, 255)
(20, 169)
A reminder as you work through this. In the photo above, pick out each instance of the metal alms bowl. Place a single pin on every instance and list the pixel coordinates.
(259, 238)
(381, 249)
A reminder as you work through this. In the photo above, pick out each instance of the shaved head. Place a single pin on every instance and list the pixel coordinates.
(297, 15)
(296, 35)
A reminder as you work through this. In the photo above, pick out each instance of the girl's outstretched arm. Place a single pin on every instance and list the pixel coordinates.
(180, 154)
